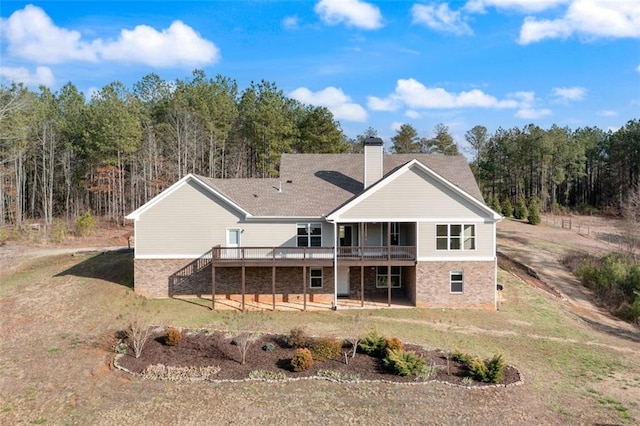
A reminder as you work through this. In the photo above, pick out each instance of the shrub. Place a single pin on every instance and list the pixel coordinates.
(373, 344)
(298, 338)
(488, 371)
(507, 208)
(461, 357)
(534, 212)
(138, 336)
(404, 363)
(58, 231)
(85, 224)
(173, 337)
(495, 205)
(520, 209)
(325, 348)
(393, 343)
(302, 360)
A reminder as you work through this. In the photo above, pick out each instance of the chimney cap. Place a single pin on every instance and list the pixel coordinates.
(373, 141)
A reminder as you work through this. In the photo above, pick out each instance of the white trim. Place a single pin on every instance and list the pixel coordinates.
(335, 215)
(449, 219)
(456, 259)
(286, 218)
(140, 210)
(335, 265)
(226, 236)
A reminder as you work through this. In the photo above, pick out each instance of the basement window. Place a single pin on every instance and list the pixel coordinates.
(456, 281)
(382, 277)
(315, 278)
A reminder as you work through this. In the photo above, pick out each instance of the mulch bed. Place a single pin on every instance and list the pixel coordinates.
(199, 349)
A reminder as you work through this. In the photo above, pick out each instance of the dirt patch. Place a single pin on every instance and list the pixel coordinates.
(204, 349)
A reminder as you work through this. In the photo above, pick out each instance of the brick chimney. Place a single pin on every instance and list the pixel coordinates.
(373, 151)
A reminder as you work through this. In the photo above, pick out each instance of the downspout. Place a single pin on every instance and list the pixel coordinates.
(335, 265)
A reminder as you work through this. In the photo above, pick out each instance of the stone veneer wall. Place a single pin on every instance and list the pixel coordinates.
(157, 278)
(433, 285)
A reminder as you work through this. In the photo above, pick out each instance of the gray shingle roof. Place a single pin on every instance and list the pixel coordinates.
(316, 184)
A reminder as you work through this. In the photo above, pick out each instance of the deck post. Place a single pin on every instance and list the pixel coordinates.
(243, 286)
(361, 285)
(213, 287)
(304, 287)
(273, 287)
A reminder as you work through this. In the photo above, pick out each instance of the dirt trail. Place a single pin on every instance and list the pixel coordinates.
(541, 250)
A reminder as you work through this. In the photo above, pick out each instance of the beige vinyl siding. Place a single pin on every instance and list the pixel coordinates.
(373, 164)
(427, 242)
(188, 221)
(191, 220)
(414, 194)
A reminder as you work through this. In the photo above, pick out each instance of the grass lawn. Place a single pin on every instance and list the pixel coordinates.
(59, 314)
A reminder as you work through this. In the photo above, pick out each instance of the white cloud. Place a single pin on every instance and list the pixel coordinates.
(290, 23)
(415, 95)
(607, 113)
(42, 76)
(638, 68)
(588, 19)
(532, 114)
(335, 100)
(353, 13)
(566, 94)
(440, 18)
(179, 45)
(480, 6)
(396, 126)
(31, 34)
(412, 114)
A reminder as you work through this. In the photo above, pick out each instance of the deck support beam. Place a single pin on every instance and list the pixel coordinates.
(243, 287)
(213, 287)
(389, 264)
(273, 288)
(362, 286)
(304, 287)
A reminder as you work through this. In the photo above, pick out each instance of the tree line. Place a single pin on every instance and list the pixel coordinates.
(62, 155)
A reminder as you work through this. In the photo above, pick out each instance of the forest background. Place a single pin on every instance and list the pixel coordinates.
(63, 157)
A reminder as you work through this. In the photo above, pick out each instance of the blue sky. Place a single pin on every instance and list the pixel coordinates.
(497, 63)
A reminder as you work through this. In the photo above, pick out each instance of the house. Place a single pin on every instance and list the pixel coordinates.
(410, 227)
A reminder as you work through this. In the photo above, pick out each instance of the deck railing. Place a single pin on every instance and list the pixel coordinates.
(274, 254)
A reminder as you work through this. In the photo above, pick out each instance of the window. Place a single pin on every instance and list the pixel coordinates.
(233, 237)
(381, 277)
(309, 235)
(456, 281)
(315, 279)
(456, 237)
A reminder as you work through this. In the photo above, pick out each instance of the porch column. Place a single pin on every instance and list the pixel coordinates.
(361, 285)
(304, 287)
(243, 286)
(273, 287)
(213, 287)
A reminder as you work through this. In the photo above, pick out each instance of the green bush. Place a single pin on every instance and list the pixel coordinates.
(324, 348)
(507, 208)
(298, 338)
(404, 363)
(302, 360)
(373, 344)
(85, 224)
(461, 357)
(520, 209)
(393, 343)
(58, 231)
(495, 204)
(534, 212)
(488, 371)
(173, 337)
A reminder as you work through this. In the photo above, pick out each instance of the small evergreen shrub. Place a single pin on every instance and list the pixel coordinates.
(58, 231)
(507, 208)
(298, 338)
(173, 337)
(520, 209)
(325, 348)
(534, 212)
(488, 371)
(85, 224)
(404, 363)
(495, 205)
(461, 357)
(393, 343)
(302, 360)
(373, 344)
